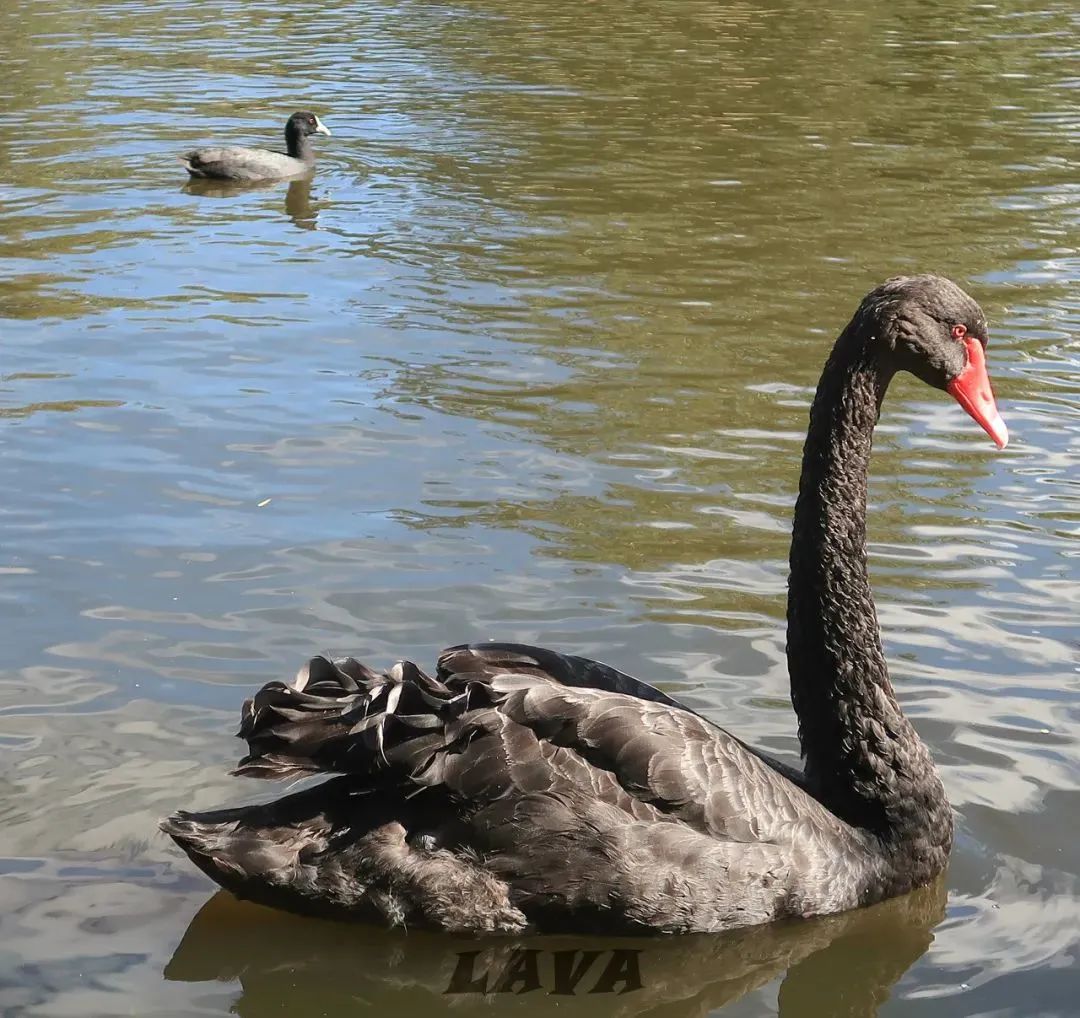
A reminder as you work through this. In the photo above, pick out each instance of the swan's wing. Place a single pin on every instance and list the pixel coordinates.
(485, 799)
(489, 736)
(487, 660)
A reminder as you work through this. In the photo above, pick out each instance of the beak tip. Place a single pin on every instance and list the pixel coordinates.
(996, 428)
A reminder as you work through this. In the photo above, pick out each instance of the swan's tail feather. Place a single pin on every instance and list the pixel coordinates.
(347, 852)
(258, 852)
(209, 845)
(289, 853)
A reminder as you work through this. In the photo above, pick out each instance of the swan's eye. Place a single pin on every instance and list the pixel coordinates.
(959, 331)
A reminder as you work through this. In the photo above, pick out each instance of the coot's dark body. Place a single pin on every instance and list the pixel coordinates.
(247, 164)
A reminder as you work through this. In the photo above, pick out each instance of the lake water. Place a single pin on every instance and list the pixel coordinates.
(529, 358)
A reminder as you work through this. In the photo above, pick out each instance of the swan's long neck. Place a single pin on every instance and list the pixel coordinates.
(863, 759)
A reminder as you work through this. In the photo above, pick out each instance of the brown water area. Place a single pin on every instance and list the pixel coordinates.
(529, 358)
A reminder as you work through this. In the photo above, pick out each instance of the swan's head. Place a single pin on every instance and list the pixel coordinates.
(305, 123)
(938, 333)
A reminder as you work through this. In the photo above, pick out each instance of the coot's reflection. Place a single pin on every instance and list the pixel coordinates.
(298, 204)
(836, 966)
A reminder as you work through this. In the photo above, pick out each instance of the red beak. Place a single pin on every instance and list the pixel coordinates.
(971, 389)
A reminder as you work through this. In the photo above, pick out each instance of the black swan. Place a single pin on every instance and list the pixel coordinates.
(521, 788)
(260, 163)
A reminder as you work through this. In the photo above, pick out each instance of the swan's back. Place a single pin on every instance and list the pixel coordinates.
(506, 792)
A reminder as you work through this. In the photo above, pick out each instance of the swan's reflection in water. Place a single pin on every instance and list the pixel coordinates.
(837, 966)
(298, 204)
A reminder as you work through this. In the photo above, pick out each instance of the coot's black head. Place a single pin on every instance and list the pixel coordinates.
(304, 124)
(932, 328)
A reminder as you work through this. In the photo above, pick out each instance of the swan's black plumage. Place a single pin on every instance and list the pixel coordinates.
(521, 788)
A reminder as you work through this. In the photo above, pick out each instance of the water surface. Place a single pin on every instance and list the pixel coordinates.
(529, 357)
